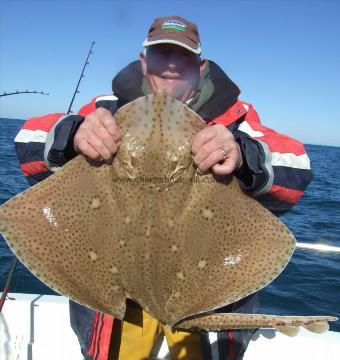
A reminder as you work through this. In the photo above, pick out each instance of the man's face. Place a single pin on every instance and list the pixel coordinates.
(172, 68)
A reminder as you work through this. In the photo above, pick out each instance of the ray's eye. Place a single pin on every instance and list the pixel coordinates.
(127, 167)
(176, 168)
(177, 174)
(173, 165)
(134, 161)
(131, 165)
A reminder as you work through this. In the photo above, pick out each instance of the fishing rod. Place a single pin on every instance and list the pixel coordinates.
(81, 76)
(318, 247)
(8, 283)
(24, 92)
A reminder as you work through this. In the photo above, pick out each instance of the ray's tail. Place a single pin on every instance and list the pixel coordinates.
(288, 325)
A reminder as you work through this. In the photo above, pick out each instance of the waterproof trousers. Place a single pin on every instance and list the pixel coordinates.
(135, 337)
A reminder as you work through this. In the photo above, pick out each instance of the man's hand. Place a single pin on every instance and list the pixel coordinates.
(98, 137)
(215, 148)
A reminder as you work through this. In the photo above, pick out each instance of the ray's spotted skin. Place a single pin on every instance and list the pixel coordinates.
(288, 325)
(149, 228)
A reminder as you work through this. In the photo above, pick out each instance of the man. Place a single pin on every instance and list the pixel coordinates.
(272, 167)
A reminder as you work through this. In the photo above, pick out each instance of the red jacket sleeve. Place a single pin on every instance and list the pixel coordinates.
(284, 160)
(31, 141)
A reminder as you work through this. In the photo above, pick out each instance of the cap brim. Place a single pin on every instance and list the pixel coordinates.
(172, 41)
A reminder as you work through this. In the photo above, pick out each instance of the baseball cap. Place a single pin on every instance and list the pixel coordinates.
(174, 30)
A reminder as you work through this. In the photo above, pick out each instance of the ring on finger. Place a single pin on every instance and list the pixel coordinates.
(225, 152)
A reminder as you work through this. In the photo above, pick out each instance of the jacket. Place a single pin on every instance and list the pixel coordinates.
(276, 168)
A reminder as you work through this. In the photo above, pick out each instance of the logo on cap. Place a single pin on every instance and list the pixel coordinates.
(174, 30)
(174, 25)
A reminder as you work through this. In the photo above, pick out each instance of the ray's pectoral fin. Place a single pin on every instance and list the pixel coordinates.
(63, 230)
(288, 325)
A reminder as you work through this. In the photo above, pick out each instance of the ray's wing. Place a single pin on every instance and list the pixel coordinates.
(248, 247)
(61, 230)
(217, 247)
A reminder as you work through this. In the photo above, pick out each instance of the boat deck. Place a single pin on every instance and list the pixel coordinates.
(37, 327)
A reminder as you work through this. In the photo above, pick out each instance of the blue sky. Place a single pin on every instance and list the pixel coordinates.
(284, 55)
